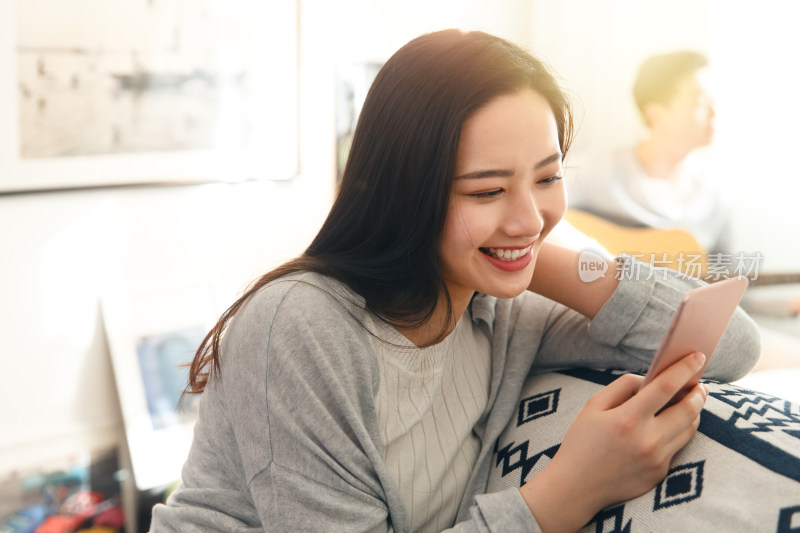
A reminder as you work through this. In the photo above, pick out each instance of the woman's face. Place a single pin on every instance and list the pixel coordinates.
(507, 195)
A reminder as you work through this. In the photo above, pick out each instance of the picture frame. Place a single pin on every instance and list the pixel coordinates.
(140, 92)
(152, 337)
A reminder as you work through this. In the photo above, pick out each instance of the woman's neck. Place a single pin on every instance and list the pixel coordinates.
(439, 325)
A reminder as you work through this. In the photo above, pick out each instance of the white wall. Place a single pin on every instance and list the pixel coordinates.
(596, 47)
(754, 53)
(363, 30)
(64, 251)
(61, 252)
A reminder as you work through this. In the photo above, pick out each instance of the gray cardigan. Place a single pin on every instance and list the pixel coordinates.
(287, 438)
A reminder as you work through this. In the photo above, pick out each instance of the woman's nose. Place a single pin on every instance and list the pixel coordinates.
(524, 218)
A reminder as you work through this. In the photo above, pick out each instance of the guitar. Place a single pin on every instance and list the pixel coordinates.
(673, 248)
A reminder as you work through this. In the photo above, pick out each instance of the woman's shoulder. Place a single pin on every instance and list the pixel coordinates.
(302, 316)
(306, 293)
(298, 304)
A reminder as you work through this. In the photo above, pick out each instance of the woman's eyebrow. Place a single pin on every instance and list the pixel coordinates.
(504, 173)
(495, 173)
(552, 158)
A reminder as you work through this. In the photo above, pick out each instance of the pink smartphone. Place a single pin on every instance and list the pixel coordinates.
(697, 326)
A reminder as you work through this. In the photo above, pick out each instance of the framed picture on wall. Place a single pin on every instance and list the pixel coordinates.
(152, 337)
(96, 93)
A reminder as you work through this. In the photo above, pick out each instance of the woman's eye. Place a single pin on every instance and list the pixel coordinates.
(551, 179)
(486, 194)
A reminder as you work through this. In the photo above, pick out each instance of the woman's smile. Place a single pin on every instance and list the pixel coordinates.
(509, 259)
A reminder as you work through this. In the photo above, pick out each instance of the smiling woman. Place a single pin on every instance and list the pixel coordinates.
(507, 196)
(363, 385)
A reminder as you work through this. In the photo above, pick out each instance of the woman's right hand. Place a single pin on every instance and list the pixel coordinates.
(618, 447)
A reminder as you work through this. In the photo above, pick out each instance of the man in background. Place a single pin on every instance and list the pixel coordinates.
(662, 181)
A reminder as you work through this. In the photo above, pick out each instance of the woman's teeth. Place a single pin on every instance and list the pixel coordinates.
(505, 254)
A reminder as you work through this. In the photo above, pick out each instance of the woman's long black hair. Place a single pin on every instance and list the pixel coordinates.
(381, 236)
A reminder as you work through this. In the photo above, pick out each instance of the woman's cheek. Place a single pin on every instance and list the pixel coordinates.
(554, 207)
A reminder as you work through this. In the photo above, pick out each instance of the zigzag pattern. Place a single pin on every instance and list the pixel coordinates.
(615, 514)
(756, 404)
(759, 427)
(745, 396)
(507, 453)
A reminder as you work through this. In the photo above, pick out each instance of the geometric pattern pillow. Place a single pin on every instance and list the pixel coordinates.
(740, 472)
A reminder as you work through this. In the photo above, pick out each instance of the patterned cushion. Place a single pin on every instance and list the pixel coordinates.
(741, 472)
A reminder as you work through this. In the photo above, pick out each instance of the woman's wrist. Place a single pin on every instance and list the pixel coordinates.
(557, 503)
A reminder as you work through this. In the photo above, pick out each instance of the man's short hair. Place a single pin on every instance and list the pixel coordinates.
(659, 75)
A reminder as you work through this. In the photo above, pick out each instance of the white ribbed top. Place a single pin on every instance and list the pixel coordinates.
(429, 401)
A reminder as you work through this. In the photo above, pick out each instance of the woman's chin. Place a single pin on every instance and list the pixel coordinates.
(507, 294)
(512, 290)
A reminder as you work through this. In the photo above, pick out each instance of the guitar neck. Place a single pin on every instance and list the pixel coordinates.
(760, 280)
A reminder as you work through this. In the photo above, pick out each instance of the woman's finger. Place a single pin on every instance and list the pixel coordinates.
(656, 394)
(681, 415)
(682, 437)
(617, 392)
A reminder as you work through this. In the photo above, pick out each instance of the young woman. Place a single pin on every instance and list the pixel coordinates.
(362, 386)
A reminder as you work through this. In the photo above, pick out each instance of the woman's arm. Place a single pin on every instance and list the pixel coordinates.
(557, 276)
(630, 309)
(283, 440)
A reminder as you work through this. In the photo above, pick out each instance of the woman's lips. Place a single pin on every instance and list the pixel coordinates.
(509, 259)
